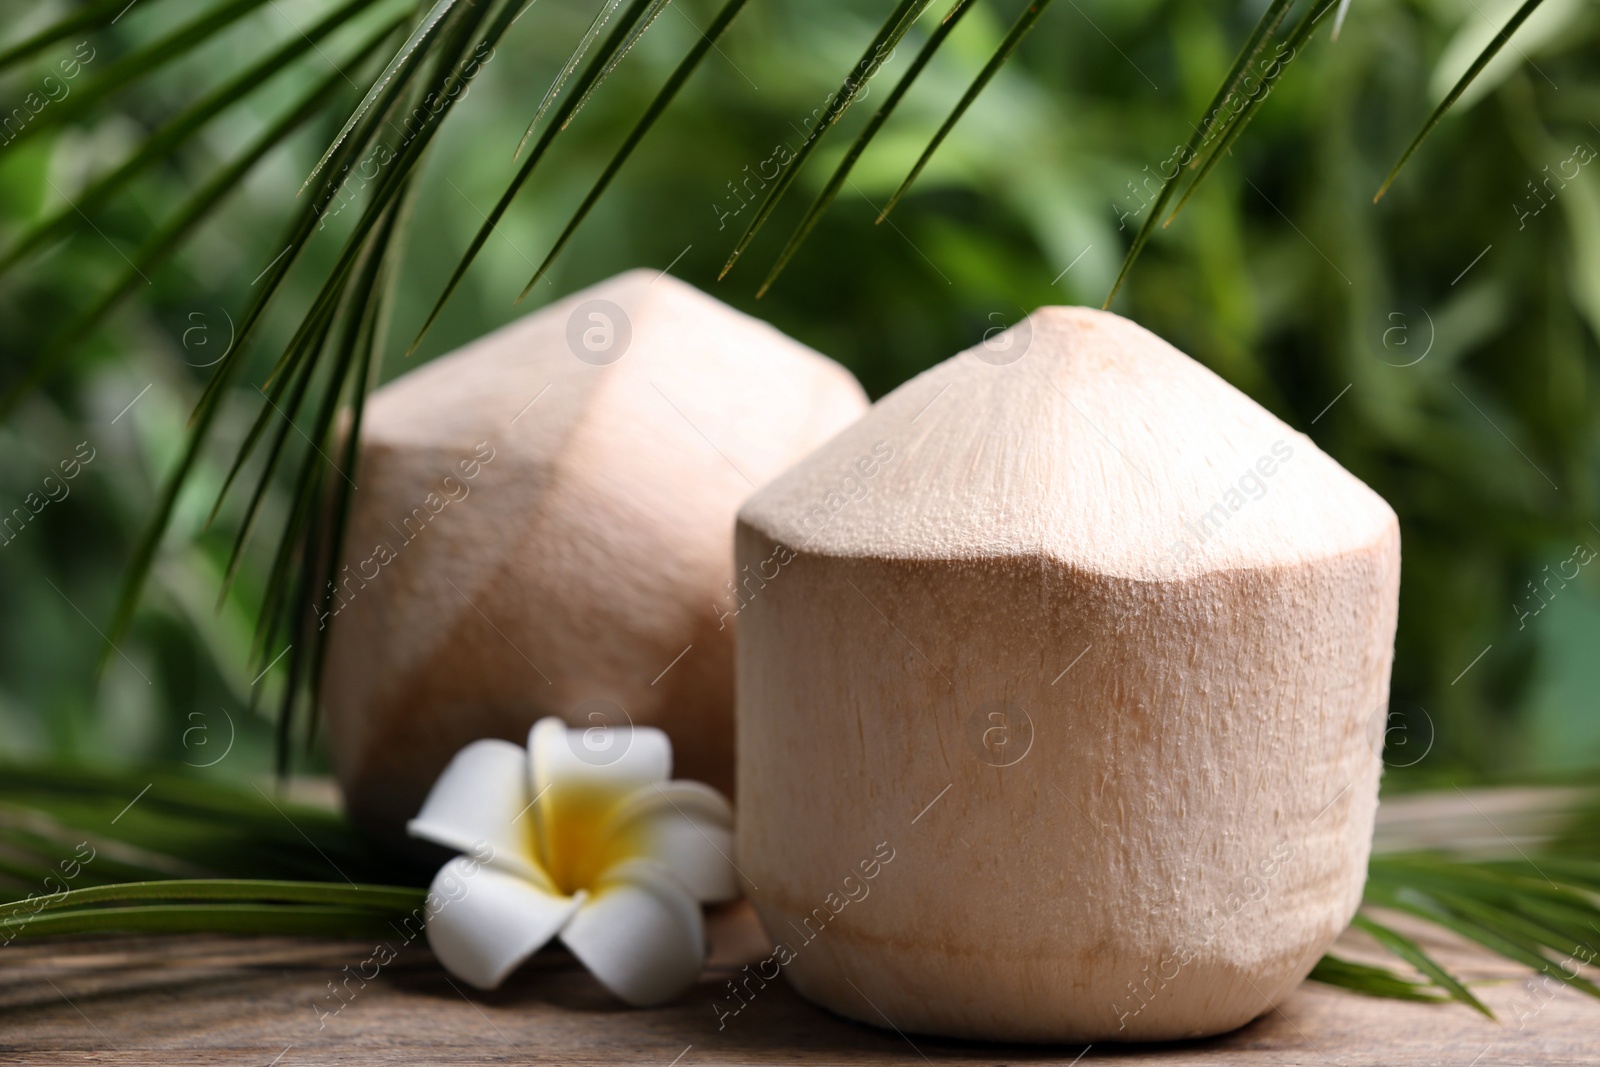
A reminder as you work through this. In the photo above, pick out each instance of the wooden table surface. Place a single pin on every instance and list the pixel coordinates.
(214, 1000)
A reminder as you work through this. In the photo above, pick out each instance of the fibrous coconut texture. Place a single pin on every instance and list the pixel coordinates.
(1098, 650)
(544, 525)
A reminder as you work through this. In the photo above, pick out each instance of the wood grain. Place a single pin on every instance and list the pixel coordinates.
(252, 1001)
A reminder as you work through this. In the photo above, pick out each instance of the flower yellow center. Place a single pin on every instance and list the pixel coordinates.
(576, 844)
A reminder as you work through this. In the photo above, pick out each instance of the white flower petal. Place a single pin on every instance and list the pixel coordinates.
(687, 828)
(613, 754)
(579, 778)
(488, 922)
(482, 796)
(640, 934)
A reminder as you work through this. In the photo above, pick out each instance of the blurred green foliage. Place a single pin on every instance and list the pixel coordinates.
(1439, 344)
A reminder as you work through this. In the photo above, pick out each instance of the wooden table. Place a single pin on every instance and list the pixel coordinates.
(213, 1000)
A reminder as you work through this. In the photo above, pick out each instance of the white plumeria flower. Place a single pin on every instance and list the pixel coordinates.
(596, 847)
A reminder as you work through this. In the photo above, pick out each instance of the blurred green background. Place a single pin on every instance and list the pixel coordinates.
(1440, 344)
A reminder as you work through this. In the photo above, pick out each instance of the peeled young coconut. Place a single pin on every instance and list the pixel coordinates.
(544, 526)
(1055, 713)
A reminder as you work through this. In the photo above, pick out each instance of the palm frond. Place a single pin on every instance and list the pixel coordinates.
(161, 244)
(92, 16)
(294, 920)
(1493, 49)
(1541, 911)
(143, 825)
(381, 88)
(311, 334)
(301, 558)
(1295, 41)
(287, 394)
(325, 546)
(646, 20)
(293, 379)
(177, 131)
(1371, 981)
(301, 566)
(96, 852)
(586, 42)
(310, 216)
(946, 25)
(141, 63)
(1253, 46)
(591, 74)
(215, 906)
(214, 890)
(664, 97)
(209, 405)
(1014, 36)
(1413, 954)
(900, 20)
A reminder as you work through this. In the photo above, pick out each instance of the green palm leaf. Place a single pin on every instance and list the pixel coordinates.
(1253, 46)
(664, 97)
(301, 920)
(1541, 912)
(1413, 954)
(1294, 42)
(589, 77)
(946, 25)
(136, 66)
(160, 825)
(385, 898)
(165, 240)
(419, 39)
(301, 545)
(312, 333)
(92, 16)
(326, 542)
(1370, 981)
(1014, 36)
(284, 400)
(292, 589)
(1517, 19)
(889, 34)
(300, 230)
(180, 129)
(646, 20)
(586, 42)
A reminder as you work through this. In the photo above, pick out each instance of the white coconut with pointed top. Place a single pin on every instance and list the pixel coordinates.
(544, 526)
(1095, 645)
